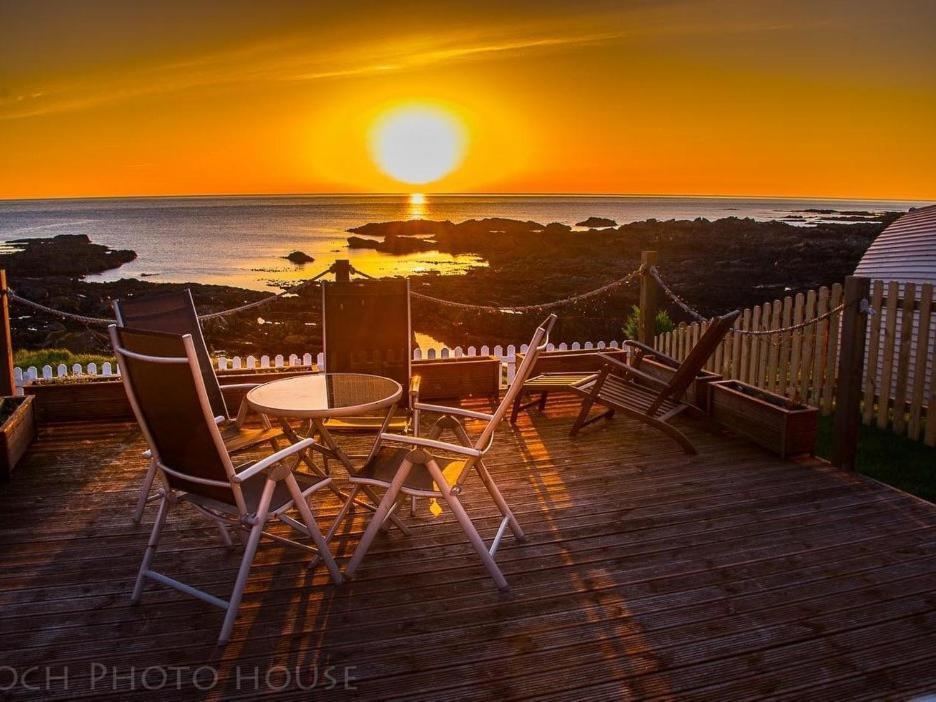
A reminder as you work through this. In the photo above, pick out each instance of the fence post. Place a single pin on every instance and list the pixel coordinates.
(646, 329)
(847, 419)
(7, 384)
(342, 269)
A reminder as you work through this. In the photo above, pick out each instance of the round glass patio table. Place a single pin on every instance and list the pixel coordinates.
(325, 395)
(321, 396)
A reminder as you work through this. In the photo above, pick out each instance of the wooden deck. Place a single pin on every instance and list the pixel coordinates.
(647, 575)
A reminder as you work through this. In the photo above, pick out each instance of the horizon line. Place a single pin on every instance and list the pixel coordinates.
(205, 196)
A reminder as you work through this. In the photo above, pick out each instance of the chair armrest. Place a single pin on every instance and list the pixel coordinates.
(612, 361)
(632, 371)
(650, 351)
(441, 409)
(241, 386)
(646, 377)
(431, 443)
(273, 459)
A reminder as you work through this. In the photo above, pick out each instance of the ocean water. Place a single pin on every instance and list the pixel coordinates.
(242, 240)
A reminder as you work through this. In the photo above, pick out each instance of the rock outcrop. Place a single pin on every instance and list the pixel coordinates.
(597, 223)
(299, 258)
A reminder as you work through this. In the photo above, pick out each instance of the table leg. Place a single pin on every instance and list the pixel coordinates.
(346, 462)
(306, 457)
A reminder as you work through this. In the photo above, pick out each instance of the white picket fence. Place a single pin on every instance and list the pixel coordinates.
(506, 354)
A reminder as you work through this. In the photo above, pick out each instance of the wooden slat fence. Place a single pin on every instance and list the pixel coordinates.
(899, 379)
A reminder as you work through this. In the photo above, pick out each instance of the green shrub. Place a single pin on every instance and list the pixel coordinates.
(663, 323)
(53, 357)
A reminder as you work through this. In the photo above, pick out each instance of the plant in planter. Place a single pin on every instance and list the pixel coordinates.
(17, 430)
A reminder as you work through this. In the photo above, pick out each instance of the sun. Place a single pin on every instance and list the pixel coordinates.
(417, 144)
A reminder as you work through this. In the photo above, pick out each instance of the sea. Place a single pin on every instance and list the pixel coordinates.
(242, 241)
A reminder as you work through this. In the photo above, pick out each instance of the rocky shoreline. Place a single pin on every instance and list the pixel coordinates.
(717, 265)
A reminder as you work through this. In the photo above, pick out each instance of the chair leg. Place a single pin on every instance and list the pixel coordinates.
(468, 526)
(342, 513)
(515, 411)
(225, 535)
(249, 551)
(313, 528)
(144, 492)
(501, 503)
(150, 548)
(542, 401)
(383, 510)
(587, 403)
(395, 520)
(674, 434)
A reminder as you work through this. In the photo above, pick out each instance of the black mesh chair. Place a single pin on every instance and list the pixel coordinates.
(367, 329)
(167, 391)
(174, 313)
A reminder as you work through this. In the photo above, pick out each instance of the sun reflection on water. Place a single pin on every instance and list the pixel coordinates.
(417, 206)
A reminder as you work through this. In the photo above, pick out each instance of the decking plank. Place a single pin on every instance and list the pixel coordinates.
(647, 573)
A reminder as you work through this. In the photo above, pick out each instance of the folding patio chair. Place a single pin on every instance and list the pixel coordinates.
(169, 397)
(367, 329)
(624, 387)
(408, 468)
(174, 313)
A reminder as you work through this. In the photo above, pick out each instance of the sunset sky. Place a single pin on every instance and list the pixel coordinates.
(696, 97)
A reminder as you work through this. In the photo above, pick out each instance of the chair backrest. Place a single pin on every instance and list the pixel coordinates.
(537, 346)
(367, 329)
(695, 361)
(174, 313)
(167, 393)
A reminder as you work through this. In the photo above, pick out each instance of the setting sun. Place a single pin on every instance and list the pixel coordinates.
(417, 144)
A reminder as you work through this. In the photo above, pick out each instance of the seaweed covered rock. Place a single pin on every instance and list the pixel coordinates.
(597, 223)
(65, 255)
(299, 258)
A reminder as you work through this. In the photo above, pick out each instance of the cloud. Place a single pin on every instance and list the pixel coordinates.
(305, 58)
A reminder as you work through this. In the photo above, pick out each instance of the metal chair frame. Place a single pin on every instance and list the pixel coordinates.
(471, 454)
(219, 408)
(237, 515)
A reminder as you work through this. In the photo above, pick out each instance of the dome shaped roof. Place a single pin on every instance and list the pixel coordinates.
(905, 251)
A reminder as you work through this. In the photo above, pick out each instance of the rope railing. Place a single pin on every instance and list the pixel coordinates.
(542, 307)
(104, 321)
(684, 306)
(651, 271)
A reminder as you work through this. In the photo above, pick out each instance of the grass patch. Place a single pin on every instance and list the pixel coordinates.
(53, 357)
(895, 460)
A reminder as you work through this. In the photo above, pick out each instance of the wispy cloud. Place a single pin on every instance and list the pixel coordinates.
(303, 58)
(281, 61)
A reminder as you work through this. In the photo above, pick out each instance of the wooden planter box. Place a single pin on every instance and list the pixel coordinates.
(448, 378)
(104, 400)
(698, 392)
(571, 361)
(91, 399)
(773, 421)
(100, 399)
(16, 434)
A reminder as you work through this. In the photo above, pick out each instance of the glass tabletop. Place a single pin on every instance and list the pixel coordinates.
(324, 395)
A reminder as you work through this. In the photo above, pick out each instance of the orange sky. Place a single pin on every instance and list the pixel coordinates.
(717, 97)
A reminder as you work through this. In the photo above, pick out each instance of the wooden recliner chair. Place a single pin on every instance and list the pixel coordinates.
(623, 387)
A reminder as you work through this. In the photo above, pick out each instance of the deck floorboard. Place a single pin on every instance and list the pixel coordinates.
(647, 574)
